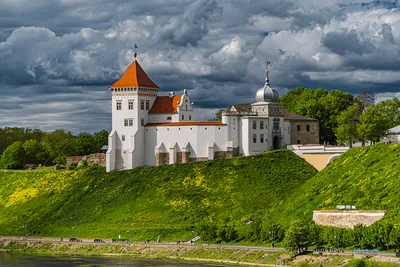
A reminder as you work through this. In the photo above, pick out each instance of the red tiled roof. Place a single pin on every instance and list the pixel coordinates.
(165, 104)
(134, 76)
(187, 123)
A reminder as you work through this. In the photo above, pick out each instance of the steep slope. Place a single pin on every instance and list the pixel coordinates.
(167, 201)
(368, 177)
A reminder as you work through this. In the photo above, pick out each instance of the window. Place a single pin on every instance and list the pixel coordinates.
(183, 117)
(299, 142)
(261, 138)
(119, 104)
(254, 138)
(298, 127)
(169, 118)
(254, 125)
(123, 137)
(147, 104)
(307, 128)
(276, 124)
(141, 104)
(261, 125)
(128, 122)
(142, 122)
(130, 104)
(190, 117)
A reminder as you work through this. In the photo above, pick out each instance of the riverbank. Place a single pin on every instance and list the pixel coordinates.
(199, 253)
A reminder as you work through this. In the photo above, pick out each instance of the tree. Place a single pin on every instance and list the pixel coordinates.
(319, 104)
(373, 124)
(100, 139)
(13, 157)
(32, 149)
(391, 107)
(60, 143)
(297, 236)
(85, 144)
(218, 115)
(347, 120)
(366, 98)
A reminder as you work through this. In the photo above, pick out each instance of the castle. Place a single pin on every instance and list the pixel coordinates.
(152, 130)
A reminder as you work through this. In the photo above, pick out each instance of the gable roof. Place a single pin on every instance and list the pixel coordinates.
(295, 117)
(242, 107)
(134, 76)
(165, 104)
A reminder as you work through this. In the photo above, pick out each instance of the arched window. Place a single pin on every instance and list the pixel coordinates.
(254, 138)
(169, 118)
(254, 125)
(261, 138)
(261, 125)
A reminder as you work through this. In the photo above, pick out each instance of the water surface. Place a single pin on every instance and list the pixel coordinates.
(25, 260)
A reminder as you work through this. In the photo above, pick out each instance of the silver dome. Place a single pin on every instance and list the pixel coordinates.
(267, 94)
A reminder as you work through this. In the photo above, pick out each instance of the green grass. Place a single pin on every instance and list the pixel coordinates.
(368, 177)
(166, 201)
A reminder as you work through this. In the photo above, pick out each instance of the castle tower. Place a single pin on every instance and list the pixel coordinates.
(132, 97)
(267, 105)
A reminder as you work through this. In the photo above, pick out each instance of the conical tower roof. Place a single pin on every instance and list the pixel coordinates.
(134, 76)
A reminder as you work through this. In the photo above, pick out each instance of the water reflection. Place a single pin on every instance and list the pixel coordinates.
(23, 260)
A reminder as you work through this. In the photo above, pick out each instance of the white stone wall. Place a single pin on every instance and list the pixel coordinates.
(233, 123)
(198, 136)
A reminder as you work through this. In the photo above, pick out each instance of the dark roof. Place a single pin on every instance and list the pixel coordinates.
(295, 117)
(242, 107)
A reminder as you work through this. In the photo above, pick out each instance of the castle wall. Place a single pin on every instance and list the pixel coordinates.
(196, 137)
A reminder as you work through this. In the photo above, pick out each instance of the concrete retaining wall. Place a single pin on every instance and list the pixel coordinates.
(347, 218)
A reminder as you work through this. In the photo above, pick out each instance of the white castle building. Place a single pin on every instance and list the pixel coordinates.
(152, 130)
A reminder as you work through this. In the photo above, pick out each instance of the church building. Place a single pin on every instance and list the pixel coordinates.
(152, 130)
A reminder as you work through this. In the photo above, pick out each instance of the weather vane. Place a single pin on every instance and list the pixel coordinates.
(267, 78)
(267, 64)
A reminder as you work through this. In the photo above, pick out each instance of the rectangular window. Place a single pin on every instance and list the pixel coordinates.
(142, 122)
(276, 125)
(308, 128)
(254, 125)
(128, 122)
(183, 117)
(261, 138)
(147, 104)
(298, 127)
(190, 117)
(130, 104)
(261, 125)
(141, 104)
(299, 142)
(123, 137)
(254, 138)
(119, 104)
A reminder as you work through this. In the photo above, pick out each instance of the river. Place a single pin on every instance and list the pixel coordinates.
(25, 260)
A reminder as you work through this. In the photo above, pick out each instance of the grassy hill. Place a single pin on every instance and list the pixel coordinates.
(368, 177)
(168, 201)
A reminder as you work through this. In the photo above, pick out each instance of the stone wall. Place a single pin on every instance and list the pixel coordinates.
(220, 154)
(162, 159)
(92, 159)
(182, 157)
(347, 218)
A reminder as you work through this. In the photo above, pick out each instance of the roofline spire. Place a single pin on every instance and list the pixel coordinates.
(135, 54)
(267, 76)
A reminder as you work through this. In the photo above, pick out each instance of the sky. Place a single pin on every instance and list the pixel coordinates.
(59, 57)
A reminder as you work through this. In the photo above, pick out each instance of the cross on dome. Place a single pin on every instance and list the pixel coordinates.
(267, 94)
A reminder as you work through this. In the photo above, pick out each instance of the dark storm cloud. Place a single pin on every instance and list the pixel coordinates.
(60, 56)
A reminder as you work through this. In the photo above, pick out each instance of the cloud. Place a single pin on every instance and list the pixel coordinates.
(60, 56)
